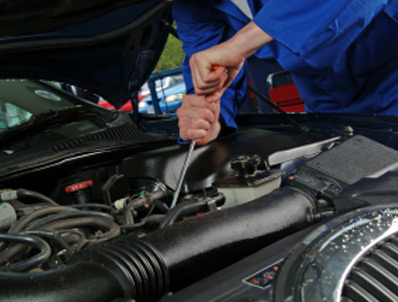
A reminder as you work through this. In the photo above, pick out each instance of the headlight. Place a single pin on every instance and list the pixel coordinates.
(142, 105)
(174, 97)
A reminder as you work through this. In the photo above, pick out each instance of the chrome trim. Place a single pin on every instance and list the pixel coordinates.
(313, 149)
(318, 266)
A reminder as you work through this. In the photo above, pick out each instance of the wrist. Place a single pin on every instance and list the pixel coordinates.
(250, 38)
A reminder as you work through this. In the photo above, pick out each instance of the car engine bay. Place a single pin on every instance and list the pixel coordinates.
(105, 230)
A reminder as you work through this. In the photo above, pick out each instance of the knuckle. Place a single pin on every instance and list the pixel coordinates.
(206, 115)
(190, 134)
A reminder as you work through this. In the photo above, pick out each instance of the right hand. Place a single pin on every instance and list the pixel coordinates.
(210, 81)
(229, 56)
(198, 119)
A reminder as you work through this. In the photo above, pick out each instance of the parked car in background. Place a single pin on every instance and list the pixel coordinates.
(170, 88)
(163, 82)
(170, 99)
(126, 107)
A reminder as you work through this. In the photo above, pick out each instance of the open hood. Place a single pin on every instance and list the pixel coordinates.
(108, 47)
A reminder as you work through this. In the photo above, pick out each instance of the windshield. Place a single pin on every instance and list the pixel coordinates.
(36, 114)
(22, 100)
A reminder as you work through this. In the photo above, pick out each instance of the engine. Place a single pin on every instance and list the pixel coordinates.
(103, 232)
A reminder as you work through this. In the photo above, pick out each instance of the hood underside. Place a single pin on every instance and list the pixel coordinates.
(107, 47)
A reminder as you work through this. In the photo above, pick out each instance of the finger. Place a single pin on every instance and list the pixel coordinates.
(232, 73)
(202, 142)
(212, 92)
(200, 102)
(213, 97)
(201, 124)
(197, 117)
(205, 77)
(204, 68)
(207, 91)
(199, 132)
(201, 87)
(204, 114)
(196, 134)
(207, 115)
(223, 78)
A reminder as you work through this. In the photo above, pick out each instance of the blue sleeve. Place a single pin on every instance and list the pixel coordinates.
(200, 27)
(299, 25)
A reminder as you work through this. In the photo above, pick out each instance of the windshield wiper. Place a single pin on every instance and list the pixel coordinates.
(42, 121)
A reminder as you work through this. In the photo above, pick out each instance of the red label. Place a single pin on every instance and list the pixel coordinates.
(79, 186)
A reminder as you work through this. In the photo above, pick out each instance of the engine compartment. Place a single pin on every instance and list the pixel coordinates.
(110, 221)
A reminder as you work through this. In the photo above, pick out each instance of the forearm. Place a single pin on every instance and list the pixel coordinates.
(247, 40)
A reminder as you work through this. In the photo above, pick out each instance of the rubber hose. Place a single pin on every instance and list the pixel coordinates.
(83, 282)
(183, 209)
(23, 193)
(161, 206)
(52, 236)
(21, 223)
(33, 261)
(213, 240)
(111, 228)
(62, 216)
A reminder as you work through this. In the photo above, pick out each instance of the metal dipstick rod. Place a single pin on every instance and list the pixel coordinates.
(182, 174)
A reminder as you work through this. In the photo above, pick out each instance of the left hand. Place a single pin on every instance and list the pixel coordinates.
(198, 119)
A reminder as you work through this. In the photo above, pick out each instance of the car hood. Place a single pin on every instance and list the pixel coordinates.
(107, 47)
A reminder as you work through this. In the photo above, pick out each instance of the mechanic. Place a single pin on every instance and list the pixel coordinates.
(342, 55)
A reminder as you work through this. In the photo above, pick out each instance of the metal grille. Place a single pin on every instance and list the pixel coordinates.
(375, 277)
(124, 133)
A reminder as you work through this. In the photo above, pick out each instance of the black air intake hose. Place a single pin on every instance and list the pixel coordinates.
(198, 246)
(145, 269)
(78, 282)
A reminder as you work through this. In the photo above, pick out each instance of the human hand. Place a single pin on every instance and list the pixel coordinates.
(229, 57)
(214, 69)
(198, 119)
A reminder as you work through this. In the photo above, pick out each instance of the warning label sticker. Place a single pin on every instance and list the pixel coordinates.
(264, 277)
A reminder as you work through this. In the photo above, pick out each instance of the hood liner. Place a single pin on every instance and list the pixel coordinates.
(112, 54)
(21, 17)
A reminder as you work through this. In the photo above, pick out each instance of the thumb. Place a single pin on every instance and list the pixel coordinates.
(221, 73)
(231, 73)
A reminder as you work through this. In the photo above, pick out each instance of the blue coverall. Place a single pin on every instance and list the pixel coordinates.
(342, 54)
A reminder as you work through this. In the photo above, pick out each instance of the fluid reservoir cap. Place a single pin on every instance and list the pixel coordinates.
(246, 166)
